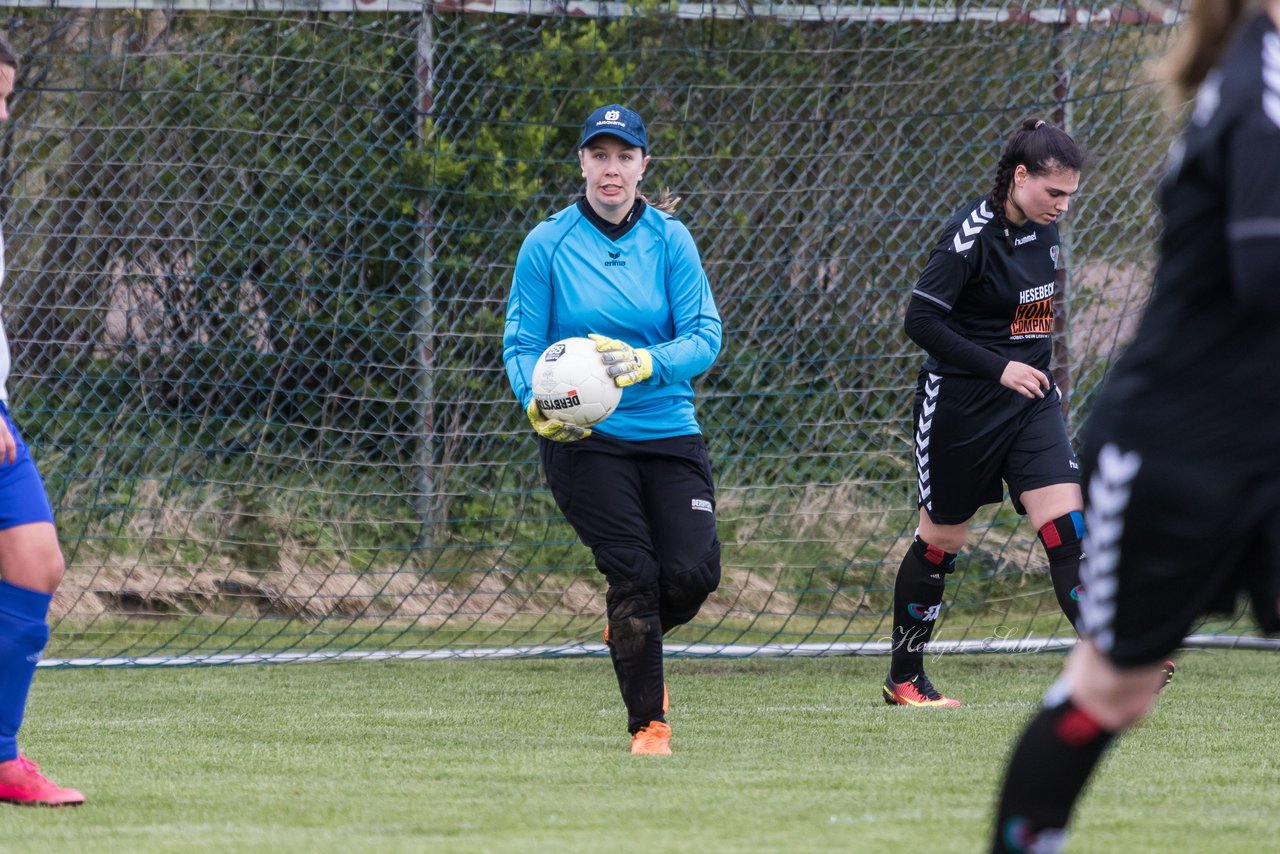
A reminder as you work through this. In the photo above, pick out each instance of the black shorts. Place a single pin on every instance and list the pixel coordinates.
(1173, 535)
(973, 433)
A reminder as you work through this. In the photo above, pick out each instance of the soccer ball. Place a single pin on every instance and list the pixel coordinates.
(570, 383)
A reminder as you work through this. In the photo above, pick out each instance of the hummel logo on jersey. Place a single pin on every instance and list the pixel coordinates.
(613, 260)
(1026, 238)
(972, 225)
(920, 612)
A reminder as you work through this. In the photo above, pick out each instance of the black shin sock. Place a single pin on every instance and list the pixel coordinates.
(1062, 539)
(1045, 776)
(635, 645)
(917, 599)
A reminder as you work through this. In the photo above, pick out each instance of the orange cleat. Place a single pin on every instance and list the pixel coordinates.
(916, 691)
(652, 740)
(22, 783)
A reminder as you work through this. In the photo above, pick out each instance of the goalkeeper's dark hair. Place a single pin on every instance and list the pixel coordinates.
(7, 54)
(1043, 149)
(1210, 26)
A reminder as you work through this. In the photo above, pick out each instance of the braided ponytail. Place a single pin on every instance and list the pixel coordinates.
(1000, 192)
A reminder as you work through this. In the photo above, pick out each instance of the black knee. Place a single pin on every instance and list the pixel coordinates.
(1063, 536)
(633, 600)
(684, 590)
(1063, 544)
(634, 618)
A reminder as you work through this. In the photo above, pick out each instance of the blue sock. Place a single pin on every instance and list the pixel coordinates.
(23, 634)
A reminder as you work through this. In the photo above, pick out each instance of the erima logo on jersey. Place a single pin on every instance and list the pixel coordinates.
(613, 260)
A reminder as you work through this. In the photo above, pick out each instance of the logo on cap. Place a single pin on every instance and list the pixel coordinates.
(615, 120)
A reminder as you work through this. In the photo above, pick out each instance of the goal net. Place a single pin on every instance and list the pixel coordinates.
(258, 258)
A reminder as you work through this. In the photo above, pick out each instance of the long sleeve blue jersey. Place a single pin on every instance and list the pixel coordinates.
(647, 288)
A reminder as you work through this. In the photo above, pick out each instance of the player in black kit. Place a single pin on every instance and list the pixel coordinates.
(1182, 450)
(987, 409)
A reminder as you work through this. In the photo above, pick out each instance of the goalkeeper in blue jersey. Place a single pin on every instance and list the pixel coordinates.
(637, 488)
(31, 566)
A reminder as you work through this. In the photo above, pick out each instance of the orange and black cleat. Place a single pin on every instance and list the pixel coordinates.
(22, 783)
(916, 691)
(653, 739)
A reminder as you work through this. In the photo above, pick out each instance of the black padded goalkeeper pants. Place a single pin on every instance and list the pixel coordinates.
(647, 512)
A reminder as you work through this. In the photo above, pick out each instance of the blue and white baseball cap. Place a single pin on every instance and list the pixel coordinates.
(615, 120)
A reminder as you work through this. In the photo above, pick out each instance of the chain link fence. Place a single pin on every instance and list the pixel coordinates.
(258, 259)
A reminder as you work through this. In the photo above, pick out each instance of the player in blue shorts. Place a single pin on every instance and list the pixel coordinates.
(31, 566)
(987, 411)
(637, 488)
(1182, 449)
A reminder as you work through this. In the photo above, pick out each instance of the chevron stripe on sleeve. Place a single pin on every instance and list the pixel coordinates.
(968, 232)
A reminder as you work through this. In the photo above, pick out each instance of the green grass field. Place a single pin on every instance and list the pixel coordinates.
(528, 756)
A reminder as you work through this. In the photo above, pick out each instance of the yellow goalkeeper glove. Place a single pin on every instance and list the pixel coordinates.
(627, 365)
(550, 428)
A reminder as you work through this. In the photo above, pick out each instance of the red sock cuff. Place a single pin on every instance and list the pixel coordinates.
(1077, 728)
(932, 554)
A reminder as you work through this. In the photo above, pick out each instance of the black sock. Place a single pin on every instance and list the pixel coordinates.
(917, 599)
(1062, 539)
(635, 645)
(1045, 776)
